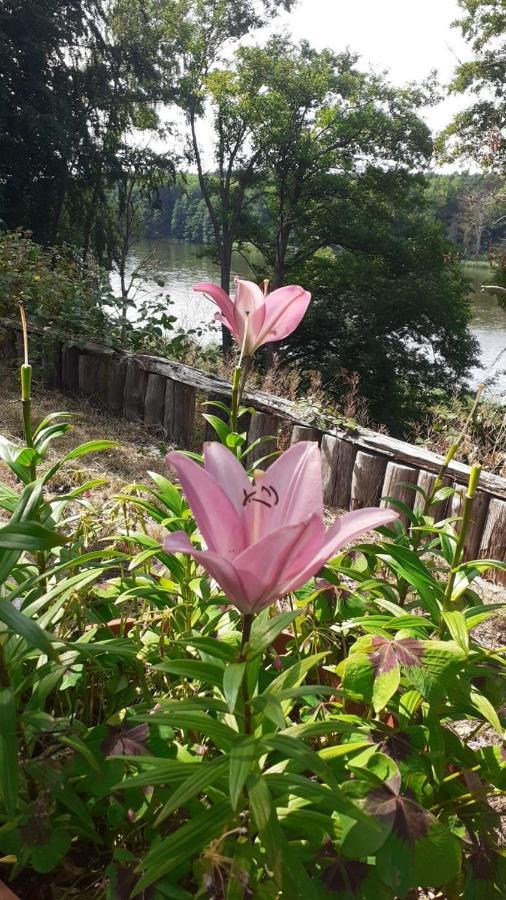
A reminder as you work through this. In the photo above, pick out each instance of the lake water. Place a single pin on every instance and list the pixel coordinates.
(181, 265)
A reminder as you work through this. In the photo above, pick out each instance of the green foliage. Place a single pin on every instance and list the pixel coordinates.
(475, 134)
(321, 754)
(378, 312)
(58, 288)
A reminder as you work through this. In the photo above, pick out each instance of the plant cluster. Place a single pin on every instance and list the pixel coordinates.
(71, 294)
(275, 715)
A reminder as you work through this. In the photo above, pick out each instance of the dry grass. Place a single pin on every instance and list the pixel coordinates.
(138, 451)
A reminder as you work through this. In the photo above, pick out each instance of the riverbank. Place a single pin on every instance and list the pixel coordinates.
(180, 265)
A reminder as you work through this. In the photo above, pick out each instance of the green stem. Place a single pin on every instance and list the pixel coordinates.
(474, 478)
(4, 672)
(438, 484)
(234, 413)
(247, 622)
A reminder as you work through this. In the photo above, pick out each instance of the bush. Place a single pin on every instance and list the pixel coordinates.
(58, 288)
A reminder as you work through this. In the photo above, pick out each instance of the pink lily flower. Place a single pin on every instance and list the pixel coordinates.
(254, 318)
(264, 538)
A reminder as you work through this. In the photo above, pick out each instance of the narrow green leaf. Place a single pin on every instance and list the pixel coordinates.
(201, 778)
(21, 624)
(193, 668)
(485, 708)
(9, 773)
(265, 631)
(29, 536)
(458, 628)
(271, 707)
(242, 756)
(220, 427)
(172, 850)
(232, 681)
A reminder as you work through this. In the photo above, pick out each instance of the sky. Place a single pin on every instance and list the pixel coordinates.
(409, 38)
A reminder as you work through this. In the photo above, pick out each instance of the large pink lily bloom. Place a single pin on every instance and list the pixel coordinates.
(254, 318)
(264, 538)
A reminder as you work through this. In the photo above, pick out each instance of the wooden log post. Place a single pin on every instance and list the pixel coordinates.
(493, 541)
(338, 459)
(179, 414)
(93, 374)
(367, 479)
(396, 485)
(154, 406)
(51, 363)
(116, 385)
(305, 433)
(426, 481)
(70, 368)
(476, 525)
(330, 451)
(262, 425)
(136, 385)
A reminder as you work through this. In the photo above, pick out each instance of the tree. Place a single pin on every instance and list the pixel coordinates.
(390, 302)
(200, 32)
(73, 86)
(321, 124)
(478, 134)
(138, 175)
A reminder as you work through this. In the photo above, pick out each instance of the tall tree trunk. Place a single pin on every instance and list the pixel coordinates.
(226, 265)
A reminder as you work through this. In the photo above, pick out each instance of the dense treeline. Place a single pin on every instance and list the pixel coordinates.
(316, 162)
(471, 208)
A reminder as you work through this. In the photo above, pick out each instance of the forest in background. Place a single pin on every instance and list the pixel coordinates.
(471, 208)
(320, 165)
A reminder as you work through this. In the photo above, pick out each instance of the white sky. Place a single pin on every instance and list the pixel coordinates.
(409, 38)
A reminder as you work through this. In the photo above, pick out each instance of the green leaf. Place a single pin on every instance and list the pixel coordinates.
(201, 778)
(289, 874)
(384, 687)
(232, 681)
(193, 668)
(196, 720)
(21, 624)
(485, 708)
(47, 856)
(458, 628)
(29, 536)
(77, 453)
(271, 707)
(264, 631)
(9, 773)
(187, 841)
(242, 756)
(220, 427)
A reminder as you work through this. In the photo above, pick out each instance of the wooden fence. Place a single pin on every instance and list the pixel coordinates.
(360, 466)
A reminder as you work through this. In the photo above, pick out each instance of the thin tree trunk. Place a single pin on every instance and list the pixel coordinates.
(226, 265)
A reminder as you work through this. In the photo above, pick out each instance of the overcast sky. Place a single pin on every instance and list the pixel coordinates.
(409, 38)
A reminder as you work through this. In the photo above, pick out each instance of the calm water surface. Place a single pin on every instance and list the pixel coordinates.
(180, 265)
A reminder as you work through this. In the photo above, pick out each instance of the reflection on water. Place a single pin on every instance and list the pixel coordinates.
(489, 326)
(181, 265)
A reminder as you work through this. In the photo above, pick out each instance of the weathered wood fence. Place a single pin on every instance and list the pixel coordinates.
(360, 466)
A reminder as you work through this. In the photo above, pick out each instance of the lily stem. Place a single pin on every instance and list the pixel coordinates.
(474, 477)
(247, 622)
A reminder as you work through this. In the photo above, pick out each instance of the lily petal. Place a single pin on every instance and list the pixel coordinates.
(218, 296)
(285, 308)
(221, 569)
(344, 530)
(295, 482)
(262, 566)
(219, 522)
(228, 472)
